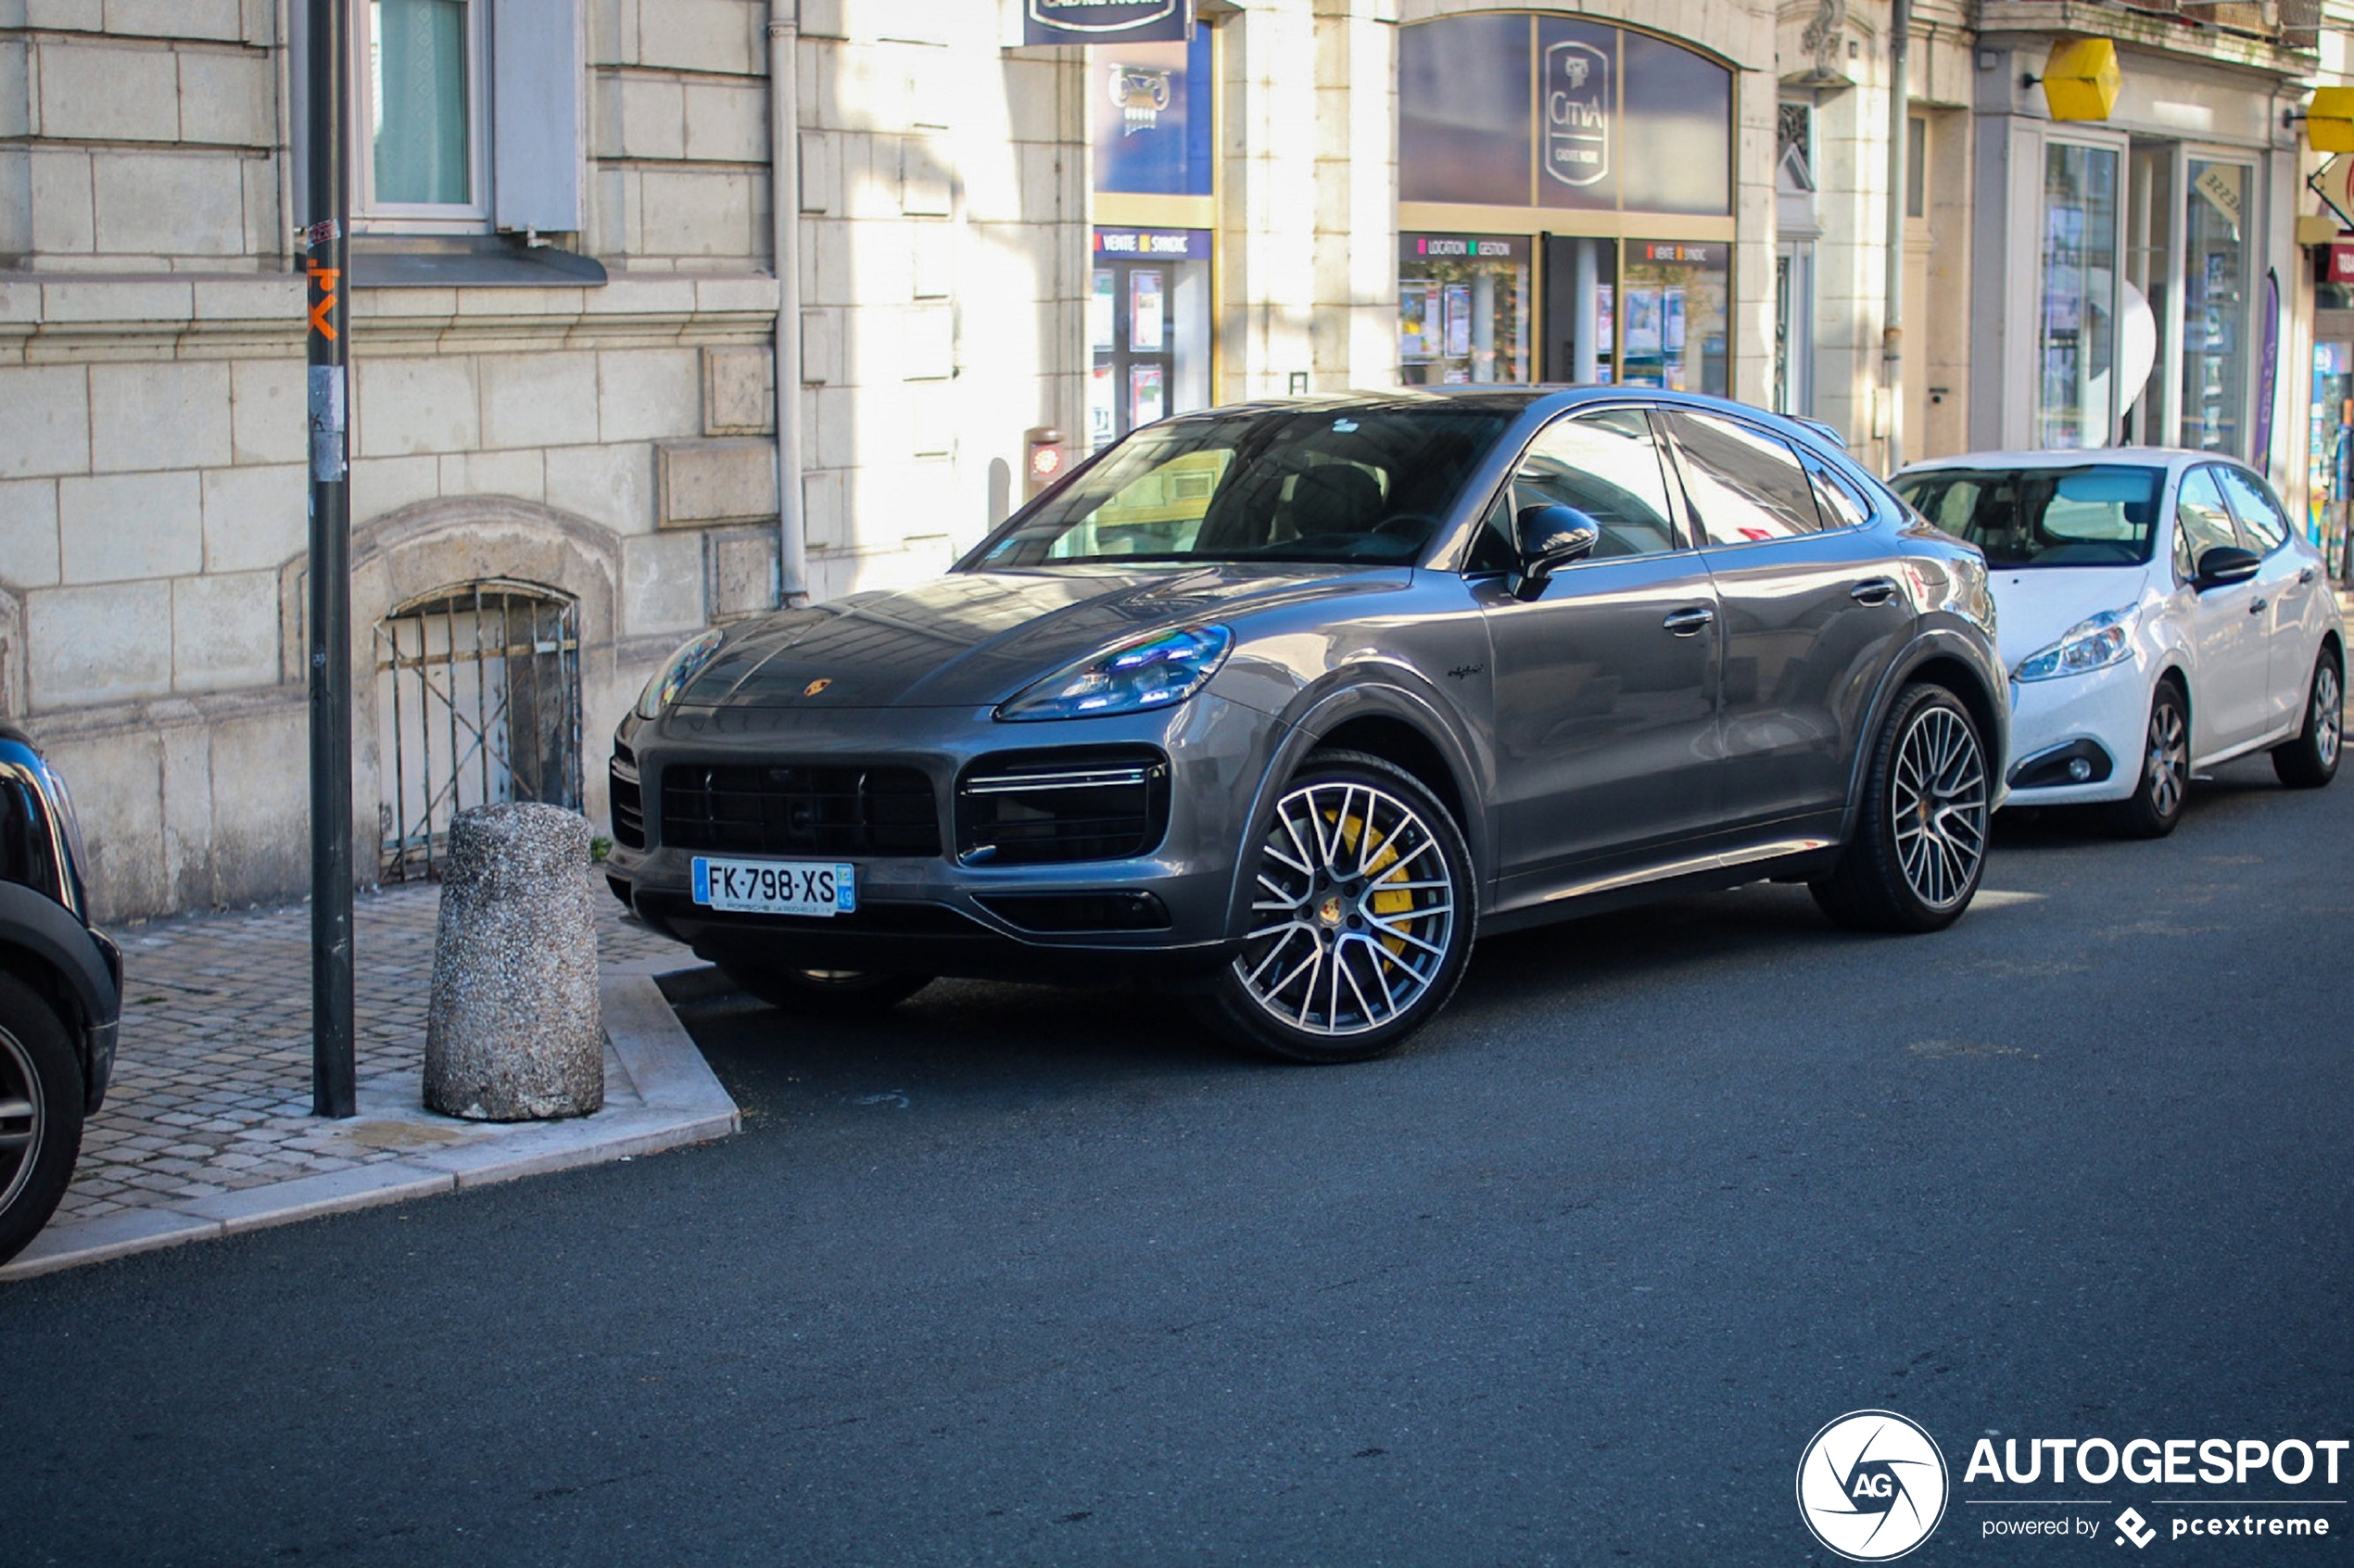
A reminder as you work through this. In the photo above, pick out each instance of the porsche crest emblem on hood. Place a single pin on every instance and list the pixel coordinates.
(817, 685)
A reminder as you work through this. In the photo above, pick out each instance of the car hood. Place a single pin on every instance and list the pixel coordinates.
(2034, 606)
(974, 638)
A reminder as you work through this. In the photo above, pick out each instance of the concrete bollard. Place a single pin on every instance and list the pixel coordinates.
(515, 1032)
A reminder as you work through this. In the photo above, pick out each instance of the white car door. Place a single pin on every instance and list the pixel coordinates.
(2228, 631)
(2289, 580)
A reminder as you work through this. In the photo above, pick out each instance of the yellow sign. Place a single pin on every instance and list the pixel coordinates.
(2081, 79)
(2329, 121)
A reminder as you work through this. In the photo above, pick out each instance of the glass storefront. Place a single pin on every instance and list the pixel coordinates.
(2075, 348)
(1463, 309)
(2214, 308)
(1588, 132)
(1148, 329)
(1673, 326)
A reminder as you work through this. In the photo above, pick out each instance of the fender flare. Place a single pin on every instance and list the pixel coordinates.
(1317, 715)
(1933, 643)
(46, 933)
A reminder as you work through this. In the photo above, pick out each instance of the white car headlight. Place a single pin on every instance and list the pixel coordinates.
(1159, 671)
(2092, 643)
(676, 671)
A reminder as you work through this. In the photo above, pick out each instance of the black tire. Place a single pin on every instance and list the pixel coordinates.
(2154, 808)
(1335, 905)
(2311, 760)
(823, 993)
(1910, 867)
(40, 1113)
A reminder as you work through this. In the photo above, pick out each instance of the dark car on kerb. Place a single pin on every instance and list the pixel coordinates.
(1280, 706)
(60, 994)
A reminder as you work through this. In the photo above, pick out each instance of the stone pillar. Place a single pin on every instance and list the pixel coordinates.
(515, 1031)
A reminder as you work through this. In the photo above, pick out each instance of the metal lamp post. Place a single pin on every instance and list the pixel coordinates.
(333, 1071)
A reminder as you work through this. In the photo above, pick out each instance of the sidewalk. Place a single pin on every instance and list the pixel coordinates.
(207, 1129)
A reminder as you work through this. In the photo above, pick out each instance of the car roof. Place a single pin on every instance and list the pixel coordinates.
(1520, 398)
(2075, 457)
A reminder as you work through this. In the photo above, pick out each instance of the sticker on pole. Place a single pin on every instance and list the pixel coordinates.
(326, 423)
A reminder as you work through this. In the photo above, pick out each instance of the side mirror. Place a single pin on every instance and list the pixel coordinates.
(1550, 538)
(2226, 565)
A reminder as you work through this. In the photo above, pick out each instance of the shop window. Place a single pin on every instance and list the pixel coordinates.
(1916, 166)
(2076, 336)
(1463, 110)
(1620, 120)
(2214, 308)
(1581, 310)
(1675, 319)
(1463, 309)
(1148, 327)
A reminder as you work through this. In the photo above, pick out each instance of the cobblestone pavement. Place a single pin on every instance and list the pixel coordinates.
(212, 1086)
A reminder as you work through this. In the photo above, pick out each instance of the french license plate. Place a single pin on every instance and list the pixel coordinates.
(775, 887)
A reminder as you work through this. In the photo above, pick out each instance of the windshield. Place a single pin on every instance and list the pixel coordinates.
(1357, 486)
(2101, 515)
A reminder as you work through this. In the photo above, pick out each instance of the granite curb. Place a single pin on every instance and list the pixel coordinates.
(660, 1095)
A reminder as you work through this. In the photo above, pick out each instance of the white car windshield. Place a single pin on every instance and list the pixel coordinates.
(2101, 514)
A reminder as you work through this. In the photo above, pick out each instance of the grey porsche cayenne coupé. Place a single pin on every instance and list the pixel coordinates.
(1280, 706)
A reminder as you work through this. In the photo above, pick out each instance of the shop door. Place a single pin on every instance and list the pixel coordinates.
(1148, 324)
(1581, 283)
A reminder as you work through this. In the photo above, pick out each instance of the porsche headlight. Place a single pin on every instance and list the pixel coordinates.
(2092, 643)
(676, 671)
(1159, 671)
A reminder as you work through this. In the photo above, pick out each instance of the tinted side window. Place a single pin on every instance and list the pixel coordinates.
(2259, 515)
(1608, 466)
(1746, 485)
(1836, 499)
(2201, 521)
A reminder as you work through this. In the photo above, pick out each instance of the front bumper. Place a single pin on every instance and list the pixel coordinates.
(934, 914)
(2101, 716)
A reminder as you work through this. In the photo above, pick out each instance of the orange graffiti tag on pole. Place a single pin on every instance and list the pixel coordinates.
(326, 278)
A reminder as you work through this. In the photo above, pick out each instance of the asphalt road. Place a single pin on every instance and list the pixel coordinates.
(1026, 1276)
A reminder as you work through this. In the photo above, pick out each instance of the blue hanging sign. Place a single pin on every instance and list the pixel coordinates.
(1107, 22)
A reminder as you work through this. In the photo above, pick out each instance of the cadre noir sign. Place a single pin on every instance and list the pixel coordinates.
(1107, 22)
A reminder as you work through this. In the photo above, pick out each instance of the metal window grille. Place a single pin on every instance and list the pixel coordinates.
(478, 701)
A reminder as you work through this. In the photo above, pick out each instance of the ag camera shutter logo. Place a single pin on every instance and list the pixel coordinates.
(1872, 1486)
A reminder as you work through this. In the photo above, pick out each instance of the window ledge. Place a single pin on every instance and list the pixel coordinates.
(471, 261)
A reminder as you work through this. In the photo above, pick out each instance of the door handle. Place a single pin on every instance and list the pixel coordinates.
(1687, 621)
(2256, 607)
(2304, 576)
(1873, 590)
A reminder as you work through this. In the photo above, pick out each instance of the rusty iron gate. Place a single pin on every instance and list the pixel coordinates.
(477, 701)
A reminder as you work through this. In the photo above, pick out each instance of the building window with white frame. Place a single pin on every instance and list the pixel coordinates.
(421, 92)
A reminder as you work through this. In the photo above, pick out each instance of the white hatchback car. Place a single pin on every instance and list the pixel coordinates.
(2158, 615)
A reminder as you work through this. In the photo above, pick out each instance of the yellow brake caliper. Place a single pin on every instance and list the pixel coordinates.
(1399, 901)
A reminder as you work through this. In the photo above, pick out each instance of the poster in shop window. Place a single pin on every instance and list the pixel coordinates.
(1145, 391)
(1418, 326)
(1147, 319)
(1100, 307)
(1102, 409)
(1458, 321)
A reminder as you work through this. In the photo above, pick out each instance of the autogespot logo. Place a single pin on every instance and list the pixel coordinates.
(1871, 1485)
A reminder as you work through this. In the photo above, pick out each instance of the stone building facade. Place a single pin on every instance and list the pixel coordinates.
(566, 393)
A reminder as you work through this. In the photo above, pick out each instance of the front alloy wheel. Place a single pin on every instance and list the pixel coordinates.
(2155, 807)
(1361, 919)
(1920, 840)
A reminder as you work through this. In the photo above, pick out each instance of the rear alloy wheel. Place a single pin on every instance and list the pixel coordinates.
(1361, 917)
(2155, 807)
(2311, 760)
(1920, 838)
(824, 993)
(40, 1114)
